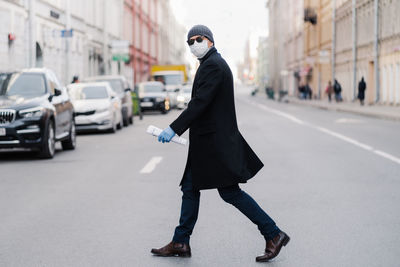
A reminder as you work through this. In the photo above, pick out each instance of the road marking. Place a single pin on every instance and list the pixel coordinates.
(151, 165)
(387, 156)
(344, 138)
(326, 131)
(282, 114)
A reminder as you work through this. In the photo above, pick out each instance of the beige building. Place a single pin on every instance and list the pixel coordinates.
(300, 50)
(388, 91)
(317, 45)
(247, 69)
(262, 63)
(278, 27)
(294, 47)
(312, 29)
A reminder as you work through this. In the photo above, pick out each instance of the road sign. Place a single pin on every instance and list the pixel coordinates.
(67, 33)
(120, 50)
(120, 57)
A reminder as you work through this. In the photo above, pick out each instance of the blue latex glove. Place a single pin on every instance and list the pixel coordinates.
(166, 135)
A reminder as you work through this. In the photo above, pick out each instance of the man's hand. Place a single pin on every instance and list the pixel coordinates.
(166, 135)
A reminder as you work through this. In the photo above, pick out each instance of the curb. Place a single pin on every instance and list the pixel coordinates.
(393, 117)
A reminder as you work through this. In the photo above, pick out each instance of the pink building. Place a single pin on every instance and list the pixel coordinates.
(141, 29)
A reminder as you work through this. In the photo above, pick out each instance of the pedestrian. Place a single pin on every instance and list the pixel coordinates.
(219, 157)
(308, 92)
(362, 86)
(337, 88)
(75, 79)
(302, 91)
(329, 90)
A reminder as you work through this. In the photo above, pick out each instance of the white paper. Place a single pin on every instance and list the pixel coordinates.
(155, 131)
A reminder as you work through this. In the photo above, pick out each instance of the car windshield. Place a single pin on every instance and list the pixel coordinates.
(116, 85)
(23, 84)
(89, 92)
(169, 79)
(152, 88)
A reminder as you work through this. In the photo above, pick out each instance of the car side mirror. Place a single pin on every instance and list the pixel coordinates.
(164, 90)
(176, 90)
(112, 97)
(57, 92)
(127, 89)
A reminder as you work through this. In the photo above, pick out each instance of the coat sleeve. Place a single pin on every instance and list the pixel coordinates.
(211, 77)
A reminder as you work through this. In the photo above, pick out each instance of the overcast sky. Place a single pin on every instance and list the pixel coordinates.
(231, 21)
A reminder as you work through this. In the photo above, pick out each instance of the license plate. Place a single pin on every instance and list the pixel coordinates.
(2, 131)
(146, 104)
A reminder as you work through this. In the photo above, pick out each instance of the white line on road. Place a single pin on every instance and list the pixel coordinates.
(326, 131)
(344, 138)
(282, 114)
(151, 165)
(388, 156)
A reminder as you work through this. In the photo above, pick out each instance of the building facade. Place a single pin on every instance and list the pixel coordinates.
(262, 63)
(154, 34)
(317, 45)
(42, 36)
(342, 39)
(277, 32)
(76, 37)
(142, 31)
(295, 71)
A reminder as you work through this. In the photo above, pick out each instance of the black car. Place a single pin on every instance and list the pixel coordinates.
(35, 112)
(153, 96)
(120, 86)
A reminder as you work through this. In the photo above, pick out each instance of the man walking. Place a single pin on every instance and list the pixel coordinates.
(219, 157)
(362, 86)
(337, 88)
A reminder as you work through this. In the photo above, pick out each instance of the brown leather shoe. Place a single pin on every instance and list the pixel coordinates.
(173, 249)
(273, 247)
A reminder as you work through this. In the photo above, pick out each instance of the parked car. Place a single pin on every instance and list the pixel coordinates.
(121, 86)
(173, 81)
(96, 105)
(187, 93)
(153, 96)
(35, 112)
(180, 99)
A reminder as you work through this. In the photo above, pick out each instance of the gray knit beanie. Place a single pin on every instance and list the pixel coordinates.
(200, 30)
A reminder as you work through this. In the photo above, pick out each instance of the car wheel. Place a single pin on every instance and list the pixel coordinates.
(126, 122)
(114, 126)
(120, 125)
(125, 119)
(48, 148)
(70, 143)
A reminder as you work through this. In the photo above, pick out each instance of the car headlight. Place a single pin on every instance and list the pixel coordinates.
(180, 98)
(101, 110)
(31, 112)
(160, 99)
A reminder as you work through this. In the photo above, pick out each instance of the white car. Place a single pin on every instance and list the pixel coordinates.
(187, 93)
(180, 99)
(173, 81)
(96, 105)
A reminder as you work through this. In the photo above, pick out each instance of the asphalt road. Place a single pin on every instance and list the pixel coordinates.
(331, 181)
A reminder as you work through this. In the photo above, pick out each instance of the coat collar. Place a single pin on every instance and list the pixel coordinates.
(209, 53)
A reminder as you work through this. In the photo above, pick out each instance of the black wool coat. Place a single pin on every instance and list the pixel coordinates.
(218, 154)
(361, 90)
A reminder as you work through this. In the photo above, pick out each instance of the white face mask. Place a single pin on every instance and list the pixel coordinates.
(199, 49)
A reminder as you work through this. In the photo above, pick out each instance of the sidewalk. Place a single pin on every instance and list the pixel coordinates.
(376, 111)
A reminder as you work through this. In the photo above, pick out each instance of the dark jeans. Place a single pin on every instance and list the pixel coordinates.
(232, 195)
